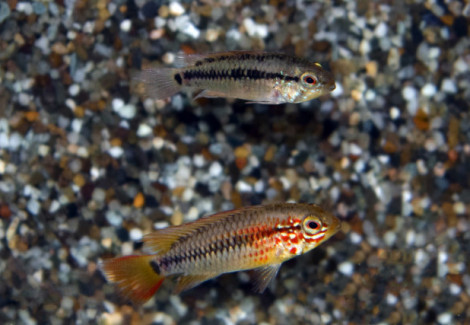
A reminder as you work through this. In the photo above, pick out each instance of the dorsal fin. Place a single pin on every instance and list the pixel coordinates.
(161, 241)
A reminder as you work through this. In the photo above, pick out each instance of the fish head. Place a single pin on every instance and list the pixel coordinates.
(313, 81)
(304, 228)
(317, 226)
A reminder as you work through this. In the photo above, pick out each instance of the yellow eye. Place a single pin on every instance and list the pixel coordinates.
(312, 225)
(309, 80)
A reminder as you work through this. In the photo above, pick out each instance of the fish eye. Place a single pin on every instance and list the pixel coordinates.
(312, 225)
(309, 80)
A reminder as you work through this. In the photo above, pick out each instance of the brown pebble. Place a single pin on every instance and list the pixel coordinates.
(242, 151)
(241, 162)
(447, 19)
(236, 199)
(5, 212)
(371, 69)
(79, 180)
(270, 152)
(422, 120)
(394, 318)
(178, 191)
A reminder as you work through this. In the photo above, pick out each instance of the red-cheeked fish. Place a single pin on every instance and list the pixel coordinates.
(259, 237)
(260, 77)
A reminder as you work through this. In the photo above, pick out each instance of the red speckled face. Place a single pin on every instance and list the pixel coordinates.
(299, 235)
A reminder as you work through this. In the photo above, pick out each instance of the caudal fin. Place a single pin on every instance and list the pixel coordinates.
(160, 83)
(134, 276)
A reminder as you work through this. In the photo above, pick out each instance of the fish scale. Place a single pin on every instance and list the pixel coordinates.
(259, 238)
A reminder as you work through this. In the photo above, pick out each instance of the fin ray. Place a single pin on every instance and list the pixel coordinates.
(159, 83)
(161, 241)
(264, 275)
(134, 276)
(186, 282)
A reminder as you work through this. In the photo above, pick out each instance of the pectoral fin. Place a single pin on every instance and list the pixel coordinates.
(264, 275)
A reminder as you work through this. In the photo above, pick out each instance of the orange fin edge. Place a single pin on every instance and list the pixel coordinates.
(134, 276)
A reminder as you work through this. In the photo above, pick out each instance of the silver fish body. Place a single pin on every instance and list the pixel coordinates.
(260, 77)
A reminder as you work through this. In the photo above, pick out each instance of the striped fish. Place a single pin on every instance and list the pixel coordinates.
(260, 77)
(259, 237)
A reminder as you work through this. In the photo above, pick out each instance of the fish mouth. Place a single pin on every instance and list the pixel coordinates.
(331, 86)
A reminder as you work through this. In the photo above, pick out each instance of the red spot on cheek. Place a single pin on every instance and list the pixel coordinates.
(293, 250)
(295, 240)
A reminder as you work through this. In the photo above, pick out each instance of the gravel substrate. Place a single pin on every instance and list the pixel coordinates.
(88, 165)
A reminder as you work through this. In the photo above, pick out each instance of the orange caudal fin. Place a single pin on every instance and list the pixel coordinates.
(134, 276)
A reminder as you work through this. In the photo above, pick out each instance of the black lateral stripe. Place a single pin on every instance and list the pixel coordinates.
(178, 79)
(236, 74)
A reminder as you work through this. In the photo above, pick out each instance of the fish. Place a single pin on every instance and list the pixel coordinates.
(259, 77)
(257, 237)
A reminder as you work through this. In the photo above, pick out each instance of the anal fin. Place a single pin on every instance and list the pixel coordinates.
(211, 94)
(264, 275)
(186, 282)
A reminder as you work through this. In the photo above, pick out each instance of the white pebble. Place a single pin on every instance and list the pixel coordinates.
(389, 238)
(192, 214)
(243, 186)
(33, 206)
(24, 7)
(117, 104)
(98, 195)
(144, 130)
(445, 318)
(24, 99)
(43, 150)
(135, 234)
(455, 289)
(255, 30)
(215, 169)
(178, 305)
(74, 90)
(459, 208)
(55, 205)
(391, 299)
(428, 90)
(116, 152)
(355, 150)
(346, 268)
(381, 30)
(410, 237)
(409, 93)
(434, 52)
(126, 25)
(355, 238)
(176, 9)
(127, 111)
(448, 86)
(113, 218)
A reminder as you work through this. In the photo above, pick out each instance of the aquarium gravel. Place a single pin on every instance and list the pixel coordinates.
(89, 165)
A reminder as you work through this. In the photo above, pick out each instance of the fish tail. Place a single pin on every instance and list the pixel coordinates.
(160, 83)
(134, 275)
